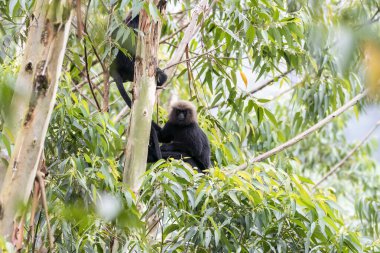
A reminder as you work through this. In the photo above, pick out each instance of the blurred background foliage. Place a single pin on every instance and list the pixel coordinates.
(312, 55)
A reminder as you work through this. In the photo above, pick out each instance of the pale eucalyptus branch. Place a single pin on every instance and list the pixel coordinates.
(304, 134)
(40, 70)
(192, 58)
(285, 91)
(173, 34)
(189, 33)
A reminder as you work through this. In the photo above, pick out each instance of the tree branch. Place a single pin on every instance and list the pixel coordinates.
(84, 96)
(192, 58)
(304, 134)
(285, 91)
(339, 164)
(86, 60)
(144, 90)
(46, 58)
(189, 33)
(121, 114)
(258, 88)
(173, 34)
(41, 181)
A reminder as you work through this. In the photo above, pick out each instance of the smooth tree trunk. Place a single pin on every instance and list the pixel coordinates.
(38, 81)
(144, 91)
(3, 171)
(23, 87)
(3, 166)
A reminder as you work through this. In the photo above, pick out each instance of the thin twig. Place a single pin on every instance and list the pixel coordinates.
(40, 177)
(105, 72)
(35, 198)
(79, 19)
(256, 89)
(86, 59)
(84, 96)
(189, 71)
(175, 46)
(192, 58)
(372, 20)
(79, 85)
(341, 162)
(179, 12)
(174, 34)
(284, 92)
(121, 114)
(304, 134)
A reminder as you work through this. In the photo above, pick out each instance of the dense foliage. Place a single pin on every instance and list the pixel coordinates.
(310, 50)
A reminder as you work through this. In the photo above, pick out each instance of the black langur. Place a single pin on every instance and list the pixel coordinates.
(122, 69)
(183, 138)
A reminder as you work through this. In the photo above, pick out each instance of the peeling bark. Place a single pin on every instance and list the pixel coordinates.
(38, 79)
(144, 97)
(32, 54)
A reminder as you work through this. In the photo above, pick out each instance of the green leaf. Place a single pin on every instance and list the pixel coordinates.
(169, 229)
(271, 117)
(153, 12)
(208, 238)
(259, 114)
(234, 198)
(250, 35)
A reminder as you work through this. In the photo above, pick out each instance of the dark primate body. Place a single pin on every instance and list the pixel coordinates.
(183, 138)
(122, 70)
(123, 67)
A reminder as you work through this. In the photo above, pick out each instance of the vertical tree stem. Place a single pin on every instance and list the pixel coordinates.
(44, 50)
(144, 96)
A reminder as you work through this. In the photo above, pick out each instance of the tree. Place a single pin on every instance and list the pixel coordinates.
(264, 75)
(142, 109)
(43, 57)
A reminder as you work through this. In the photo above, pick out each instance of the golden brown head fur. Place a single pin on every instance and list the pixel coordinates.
(182, 105)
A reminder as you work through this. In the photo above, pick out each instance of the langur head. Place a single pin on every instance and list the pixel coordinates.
(183, 113)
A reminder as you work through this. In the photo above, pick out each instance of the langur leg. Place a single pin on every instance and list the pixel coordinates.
(154, 151)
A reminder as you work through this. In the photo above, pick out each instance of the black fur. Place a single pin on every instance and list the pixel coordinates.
(122, 70)
(184, 138)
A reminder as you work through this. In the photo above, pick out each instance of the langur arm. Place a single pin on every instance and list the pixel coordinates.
(165, 134)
